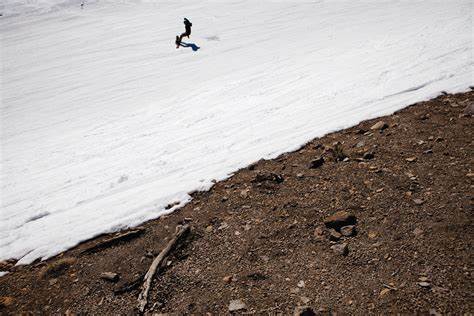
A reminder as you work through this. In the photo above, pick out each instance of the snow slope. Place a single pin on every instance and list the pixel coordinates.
(105, 122)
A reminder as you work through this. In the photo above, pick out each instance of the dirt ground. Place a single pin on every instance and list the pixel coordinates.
(261, 243)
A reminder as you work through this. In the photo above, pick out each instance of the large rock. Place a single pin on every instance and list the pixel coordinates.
(340, 219)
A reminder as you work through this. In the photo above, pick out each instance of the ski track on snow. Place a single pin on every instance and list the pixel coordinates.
(105, 122)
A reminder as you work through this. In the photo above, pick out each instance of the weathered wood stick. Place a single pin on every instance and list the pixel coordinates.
(143, 297)
(114, 240)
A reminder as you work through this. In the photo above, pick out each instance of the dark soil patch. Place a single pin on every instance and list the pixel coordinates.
(259, 237)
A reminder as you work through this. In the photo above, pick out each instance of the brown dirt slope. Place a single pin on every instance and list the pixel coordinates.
(259, 237)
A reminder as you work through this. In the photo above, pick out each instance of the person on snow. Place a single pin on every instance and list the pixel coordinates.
(187, 32)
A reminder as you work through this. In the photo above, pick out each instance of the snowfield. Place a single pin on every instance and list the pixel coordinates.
(105, 122)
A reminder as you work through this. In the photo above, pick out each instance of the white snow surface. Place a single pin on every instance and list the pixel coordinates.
(105, 122)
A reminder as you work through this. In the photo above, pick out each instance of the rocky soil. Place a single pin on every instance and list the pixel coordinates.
(373, 219)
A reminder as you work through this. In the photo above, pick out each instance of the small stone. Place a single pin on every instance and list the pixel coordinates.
(384, 292)
(244, 193)
(53, 281)
(360, 144)
(334, 235)
(209, 228)
(368, 155)
(348, 231)
(372, 234)
(340, 219)
(469, 109)
(236, 305)
(417, 231)
(411, 159)
(301, 284)
(304, 311)
(224, 225)
(340, 249)
(319, 232)
(299, 175)
(227, 279)
(305, 299)
(418, 201)
(316, 163)
(428, 151)
(380, 125)
(6, 301)
(294, 290)
(424, 284)
(109, 276)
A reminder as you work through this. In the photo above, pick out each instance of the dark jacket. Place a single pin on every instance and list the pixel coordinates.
(187, 26)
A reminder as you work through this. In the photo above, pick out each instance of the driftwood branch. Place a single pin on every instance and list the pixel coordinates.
(114, 240)
(143, 297)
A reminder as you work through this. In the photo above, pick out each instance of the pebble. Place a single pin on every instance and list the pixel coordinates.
(417, 231)
(340, 249)
(380, 125)
(236, 305)
(334, 235)
(424, 284)
(348, 231)
(227, 279)
(109, 276)
(339, 219)
(301, 284)
(6, 301)
(411, 159)
(418, 201)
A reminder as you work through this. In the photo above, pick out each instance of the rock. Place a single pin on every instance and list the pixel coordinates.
(368, 155)
(372, 234)
(334, 235)
(417, 231)
(305, 299)
(6, 301)
(316, 163)
(299, 175)
(423, 279)
(224, 225)
(428, 151)
(236, 305)
(418, 201)
(411, 159)
(340, 219)
(227, 279)
(319, 232)
(209, 228)
(360, 144)
(340, 249)
(301, 284)
(109, 276)
(304, 311)
(424, 284)
(348, 231)
(268, 177)
(384, 292)
(469, 109)
(380, 125)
